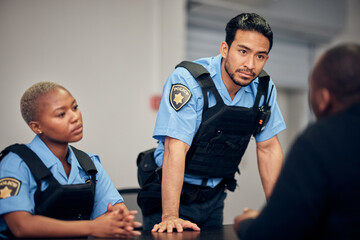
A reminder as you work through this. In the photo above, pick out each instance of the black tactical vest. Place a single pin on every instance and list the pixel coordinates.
(224, 132)
(65, 202)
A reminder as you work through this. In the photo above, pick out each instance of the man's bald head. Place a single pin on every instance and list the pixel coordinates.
(337, 74)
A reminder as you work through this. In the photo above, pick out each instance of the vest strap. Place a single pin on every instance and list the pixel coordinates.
(36, 166)
(263, 87)
(85, 162)
(196, 69)
(202, 76)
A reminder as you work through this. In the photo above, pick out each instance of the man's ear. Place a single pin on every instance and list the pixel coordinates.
(35, 127)
(324, 101)
(224, 49)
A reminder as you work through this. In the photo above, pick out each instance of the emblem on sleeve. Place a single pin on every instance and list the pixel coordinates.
(9, 187)
(179, 96)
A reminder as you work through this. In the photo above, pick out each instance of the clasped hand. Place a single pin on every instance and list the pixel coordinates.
(116, 222)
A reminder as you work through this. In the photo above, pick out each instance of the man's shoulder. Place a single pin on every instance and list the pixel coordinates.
(183, 76)
(209, 63)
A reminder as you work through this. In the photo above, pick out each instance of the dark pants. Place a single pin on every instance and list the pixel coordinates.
(208, 214)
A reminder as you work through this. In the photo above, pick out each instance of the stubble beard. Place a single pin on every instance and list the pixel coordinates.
(232, 76)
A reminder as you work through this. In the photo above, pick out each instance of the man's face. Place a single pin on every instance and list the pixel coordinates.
(246, 57)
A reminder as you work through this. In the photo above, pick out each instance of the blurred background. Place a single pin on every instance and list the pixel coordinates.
(115, 55)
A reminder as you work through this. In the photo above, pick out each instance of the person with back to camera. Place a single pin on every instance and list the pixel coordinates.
(49, 189)
(213, 132)
(317, 194)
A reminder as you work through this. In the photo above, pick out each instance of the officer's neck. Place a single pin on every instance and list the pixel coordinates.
(231, 87)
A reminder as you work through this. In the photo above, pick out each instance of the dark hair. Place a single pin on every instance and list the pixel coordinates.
(338, 70)
(248, 22)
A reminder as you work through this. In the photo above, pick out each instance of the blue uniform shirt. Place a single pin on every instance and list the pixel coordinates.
(13, 167)
(184, 123)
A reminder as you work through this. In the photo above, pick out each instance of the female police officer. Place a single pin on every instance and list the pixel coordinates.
(35, 202)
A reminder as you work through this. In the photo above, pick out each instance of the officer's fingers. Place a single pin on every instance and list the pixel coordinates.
(129, 218)
(133, 212)
(165, 226)
(155, 228)
(113, 213)
(190, 225)
(122, 224)
(137, 224)
(135, 233)
(122, 233)
(129, 228)
(169, 227)
(117, 216)
(122, 209)
(179, 227)
(109, 207)
(128, 234)
(162, 227)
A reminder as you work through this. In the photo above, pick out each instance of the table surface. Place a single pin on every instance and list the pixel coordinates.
(227, 232)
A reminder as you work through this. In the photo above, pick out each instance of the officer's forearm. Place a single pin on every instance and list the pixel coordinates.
(173, 176)
(270, 160)
(25, 225)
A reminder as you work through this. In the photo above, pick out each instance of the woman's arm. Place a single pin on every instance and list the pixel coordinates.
(111, 224)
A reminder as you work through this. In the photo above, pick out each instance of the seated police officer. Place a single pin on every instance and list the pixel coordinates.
(49, 189)
(206, 118)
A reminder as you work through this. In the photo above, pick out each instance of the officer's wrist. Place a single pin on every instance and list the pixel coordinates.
(169, 216)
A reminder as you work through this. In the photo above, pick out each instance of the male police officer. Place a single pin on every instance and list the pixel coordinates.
(222, 114)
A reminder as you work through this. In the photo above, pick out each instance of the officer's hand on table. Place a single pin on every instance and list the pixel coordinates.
(170, 223)
(116, 222)
(247, 213)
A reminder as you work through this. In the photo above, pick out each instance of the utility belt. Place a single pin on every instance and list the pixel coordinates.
(150, 178)
(197, 193)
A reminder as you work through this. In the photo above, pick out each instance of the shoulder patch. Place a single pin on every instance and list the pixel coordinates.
(9, 187)
(179, 96)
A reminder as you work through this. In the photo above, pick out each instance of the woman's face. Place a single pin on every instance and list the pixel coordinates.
(59, 118)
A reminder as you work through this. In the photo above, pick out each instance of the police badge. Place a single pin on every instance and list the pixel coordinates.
(9, 187)
(179, 96)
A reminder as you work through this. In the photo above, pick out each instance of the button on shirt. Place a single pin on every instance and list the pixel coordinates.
(183, 124)
(12, 166)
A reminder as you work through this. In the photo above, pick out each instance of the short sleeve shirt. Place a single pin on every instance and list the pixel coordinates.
(13, 168)
(183, 123)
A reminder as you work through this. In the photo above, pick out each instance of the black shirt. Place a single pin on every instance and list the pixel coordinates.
(317, 195)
